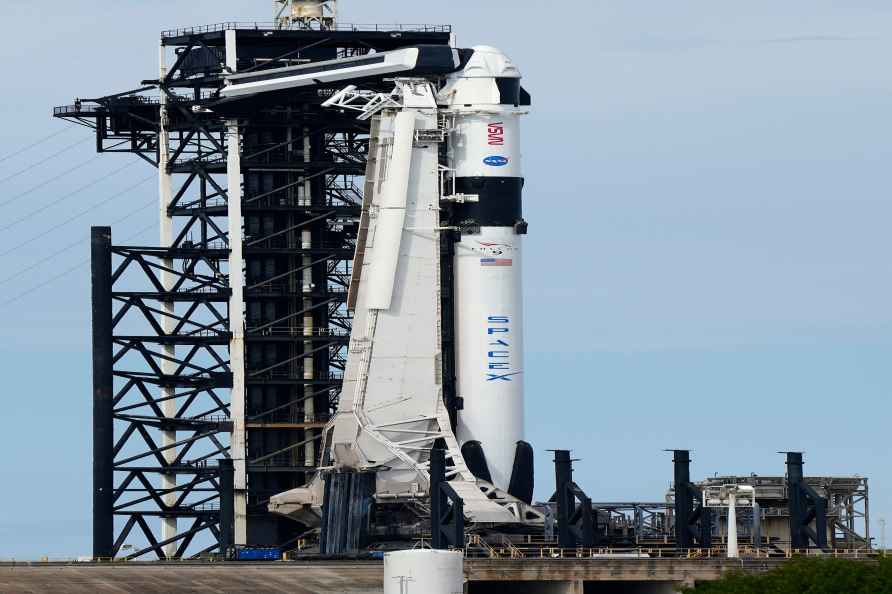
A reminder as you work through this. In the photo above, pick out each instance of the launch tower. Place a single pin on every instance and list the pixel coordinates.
(218, 362)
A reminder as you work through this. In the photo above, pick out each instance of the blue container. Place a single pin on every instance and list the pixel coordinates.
(258, 554)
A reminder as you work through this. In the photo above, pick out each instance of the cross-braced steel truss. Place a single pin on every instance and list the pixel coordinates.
(162, 362)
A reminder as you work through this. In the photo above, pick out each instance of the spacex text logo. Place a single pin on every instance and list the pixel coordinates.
(498, 356)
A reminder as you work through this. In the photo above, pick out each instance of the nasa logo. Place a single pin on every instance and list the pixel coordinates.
(496, 132)
(496, 161)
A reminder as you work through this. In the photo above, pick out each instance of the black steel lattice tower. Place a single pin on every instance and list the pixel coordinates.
(228, 341)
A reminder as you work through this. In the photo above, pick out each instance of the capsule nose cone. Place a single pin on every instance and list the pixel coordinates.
(488, 61)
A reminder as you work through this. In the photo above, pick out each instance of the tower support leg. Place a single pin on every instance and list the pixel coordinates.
(227, 505)
(168, 321)
(103, 395)
(238, 441)
(563, 475)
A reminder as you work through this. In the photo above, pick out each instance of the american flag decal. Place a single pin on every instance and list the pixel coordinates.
(496, 262)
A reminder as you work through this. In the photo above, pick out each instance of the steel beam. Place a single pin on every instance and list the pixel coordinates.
(103, 395)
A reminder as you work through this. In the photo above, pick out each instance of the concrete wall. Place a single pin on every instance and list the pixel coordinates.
(631, 588)
(573, 587)
(570, 587)
(486, 576)
(334, 578)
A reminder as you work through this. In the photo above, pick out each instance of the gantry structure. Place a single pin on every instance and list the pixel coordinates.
(218, 353)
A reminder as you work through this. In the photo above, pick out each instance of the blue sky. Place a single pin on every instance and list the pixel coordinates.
(708, 260)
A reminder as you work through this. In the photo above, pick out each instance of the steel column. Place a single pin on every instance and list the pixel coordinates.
(236, 310)
(693, 522)
(563, 476)
(437, 478)
(103, 395)
(168, 321)
(806, 506)
(447, 508)
(684, 504)
(227, 505)
(795, 500)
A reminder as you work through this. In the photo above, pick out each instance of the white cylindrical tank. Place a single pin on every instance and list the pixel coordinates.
(483, 101)
(424, 571)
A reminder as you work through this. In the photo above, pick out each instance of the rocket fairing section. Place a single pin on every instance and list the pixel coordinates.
(483, 101)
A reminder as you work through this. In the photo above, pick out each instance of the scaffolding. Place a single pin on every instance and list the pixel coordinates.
(227, 341)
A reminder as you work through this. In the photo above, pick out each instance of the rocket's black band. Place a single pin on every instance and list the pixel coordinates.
(498, 205)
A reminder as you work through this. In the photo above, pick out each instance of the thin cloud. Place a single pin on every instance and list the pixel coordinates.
(810, 39)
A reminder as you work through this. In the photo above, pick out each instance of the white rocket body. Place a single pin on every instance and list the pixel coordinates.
(489, 340)
(485, 156)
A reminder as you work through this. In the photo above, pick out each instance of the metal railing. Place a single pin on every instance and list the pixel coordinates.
(298, 332)
(529, 548)
(271, 26)
(93, 107)
(288, 417)
(295, 554)
(481, 550)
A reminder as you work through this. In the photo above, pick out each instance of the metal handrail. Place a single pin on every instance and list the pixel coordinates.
(262, 26)
(477, 547)
(298, 332)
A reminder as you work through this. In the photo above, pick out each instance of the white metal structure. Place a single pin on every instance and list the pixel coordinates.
(424, 571)
(168, 364)
(392, 410)
(329, 71)
(732, 497)
(237, 446)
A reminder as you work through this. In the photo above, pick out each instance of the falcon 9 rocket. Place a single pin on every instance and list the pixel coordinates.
(484, 101)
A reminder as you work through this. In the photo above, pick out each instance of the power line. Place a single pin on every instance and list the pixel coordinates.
(41, 162)
(70, 246)
(66, 197)
(49, 181)
(65, 272)
(36, 143)
(77, 216)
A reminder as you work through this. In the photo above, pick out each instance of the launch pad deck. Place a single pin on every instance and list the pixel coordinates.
(483, 575)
